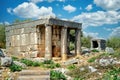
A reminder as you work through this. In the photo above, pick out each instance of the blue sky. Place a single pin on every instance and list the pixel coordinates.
(100, 19)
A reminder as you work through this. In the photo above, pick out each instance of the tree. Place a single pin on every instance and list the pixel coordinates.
(2, 36)
(86, 41)
(113, 42)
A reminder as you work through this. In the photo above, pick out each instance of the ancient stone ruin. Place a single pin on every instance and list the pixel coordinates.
(47, 38)
(99, 44)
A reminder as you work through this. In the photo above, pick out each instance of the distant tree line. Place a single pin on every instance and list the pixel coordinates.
(114, 42)
(2, 36)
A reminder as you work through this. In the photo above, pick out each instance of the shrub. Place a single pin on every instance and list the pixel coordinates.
(113, 74)
(117, 53)
(35, 64)
(15, 67)
(55, 75)
(114, 42)
(52, 66)
(48, 62)
(14, 58)
(58, 65)
(27, 62)
(71, 67)
(30, 63)
(71, 46)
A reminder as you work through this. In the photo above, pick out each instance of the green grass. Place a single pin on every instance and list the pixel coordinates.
(15, 58)
(46, 64)
(113, 74)
(55, 75)
(71, 67)
(92, 59)
(15, 67)
(94, 50)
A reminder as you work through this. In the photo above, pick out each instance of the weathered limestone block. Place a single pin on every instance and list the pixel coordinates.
(6, 61)
(23, 48)
(24, 54)
(17, 40)
(33, 38)
(22, 30)
(24, 39)
(8, 41)
(20, 64)
(16, 31)
(12, 41)
(33, 54)
(32, 47)
(17, 49)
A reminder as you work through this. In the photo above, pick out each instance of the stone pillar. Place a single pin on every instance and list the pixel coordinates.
(64, 43)
(78, 42)
(48, 42)
(99, 44)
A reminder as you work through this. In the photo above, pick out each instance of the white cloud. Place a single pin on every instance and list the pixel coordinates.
(9, 10)
(91, 34)
(89, 7)
(37, 1)
(98, 18)
(69, 8)
(31, 10)
(108, 4)
(116, 32)
(5, 23)
(108, 29)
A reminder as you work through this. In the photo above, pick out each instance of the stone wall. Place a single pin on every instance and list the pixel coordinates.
(21, 40)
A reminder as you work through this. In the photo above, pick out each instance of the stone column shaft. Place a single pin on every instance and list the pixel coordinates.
(48, 42)
(78, 42)
(64, 43)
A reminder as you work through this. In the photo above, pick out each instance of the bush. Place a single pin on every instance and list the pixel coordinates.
(55, 75)
(15, 67)
(2, 36)
(14, 58)
(35, 64)
(113, 74)
(71, 46)
(86, 41)
(53, 65)
(27, 62)
(30, 63)
(114, 42)
(71, 67)
(117, 53)
(58, 65)
(48, 62)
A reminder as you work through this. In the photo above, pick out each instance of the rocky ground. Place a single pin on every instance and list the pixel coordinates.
(92, 65)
